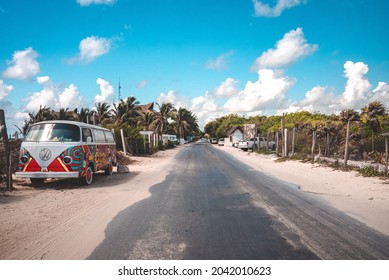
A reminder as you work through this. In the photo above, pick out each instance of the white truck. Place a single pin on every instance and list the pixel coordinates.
(260, 142)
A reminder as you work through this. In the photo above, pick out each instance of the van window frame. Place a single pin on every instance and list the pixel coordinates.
(97, 133)
(49, 128)
(84, 136)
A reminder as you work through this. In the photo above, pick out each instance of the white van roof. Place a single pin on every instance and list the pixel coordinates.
(81, 124)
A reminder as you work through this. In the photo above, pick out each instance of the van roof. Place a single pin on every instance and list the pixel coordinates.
(81, 124)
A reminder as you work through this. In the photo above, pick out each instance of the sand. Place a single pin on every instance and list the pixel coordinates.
(364, 198)
(63, 220)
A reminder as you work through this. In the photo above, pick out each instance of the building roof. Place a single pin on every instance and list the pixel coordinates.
(233, 129)
(147, 107)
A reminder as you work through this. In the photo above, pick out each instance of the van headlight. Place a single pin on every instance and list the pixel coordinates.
(67, 160)
(24, 159)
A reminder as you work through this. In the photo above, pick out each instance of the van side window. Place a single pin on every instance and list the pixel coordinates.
(86, 132)
(99, 134)
(109, 136)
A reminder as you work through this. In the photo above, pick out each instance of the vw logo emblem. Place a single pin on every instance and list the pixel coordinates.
(45, 154)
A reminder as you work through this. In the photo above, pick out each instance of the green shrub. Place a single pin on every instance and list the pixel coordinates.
(369, 172)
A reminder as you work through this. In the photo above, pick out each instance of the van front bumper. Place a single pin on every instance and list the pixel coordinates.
(46, 174)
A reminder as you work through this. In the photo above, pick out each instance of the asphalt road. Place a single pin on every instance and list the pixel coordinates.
(212, 206)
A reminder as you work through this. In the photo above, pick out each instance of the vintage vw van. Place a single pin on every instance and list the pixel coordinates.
(66, 149)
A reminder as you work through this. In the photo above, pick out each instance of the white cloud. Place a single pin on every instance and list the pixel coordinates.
(91, 48)
(219, 63)
(44, 98)
(264, 10)
(52, 96)
(292, 47)
(69, 97)
(357, 86)
(318, 99)
(204, 103)
(106, 90)
(267, 93)
(356, 95)
(43, 79)
(21, 116)
(381, 92)
(227, 88)
(142, 84)
(4, 89)
(206, 109)
(97, 2)
(23, 65)
(173, 98)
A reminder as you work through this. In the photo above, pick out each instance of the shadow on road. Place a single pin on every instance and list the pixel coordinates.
(185, 219)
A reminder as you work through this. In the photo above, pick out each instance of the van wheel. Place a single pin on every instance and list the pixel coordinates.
(109, 169)
(37, 180)
(88, 178)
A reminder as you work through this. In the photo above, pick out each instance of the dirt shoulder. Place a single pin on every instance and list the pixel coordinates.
(365, 199)
(63, 220)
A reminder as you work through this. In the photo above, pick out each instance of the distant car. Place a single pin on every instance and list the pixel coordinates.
(220, 142)
(213, 141)
(261, 142)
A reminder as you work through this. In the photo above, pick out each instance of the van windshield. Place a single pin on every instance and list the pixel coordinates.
(53, 132)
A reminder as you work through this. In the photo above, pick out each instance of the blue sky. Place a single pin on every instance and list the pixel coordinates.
(212, 57)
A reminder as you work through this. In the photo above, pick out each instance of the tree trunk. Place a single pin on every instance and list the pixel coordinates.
(282, 134)
(293, 138)
(285, 142)
(346, 146)
(313, 146)
(277, 144)
(328, 154)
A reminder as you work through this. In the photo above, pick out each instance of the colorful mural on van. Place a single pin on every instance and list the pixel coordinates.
(64, 149)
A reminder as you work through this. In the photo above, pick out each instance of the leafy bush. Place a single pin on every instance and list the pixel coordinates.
(369, 172)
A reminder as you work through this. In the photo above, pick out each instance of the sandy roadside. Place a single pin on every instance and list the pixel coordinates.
(63, 220)
(365, 199)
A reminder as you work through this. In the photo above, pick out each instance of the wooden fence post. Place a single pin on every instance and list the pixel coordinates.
(285, 142)
(4, 136)
(123, 142)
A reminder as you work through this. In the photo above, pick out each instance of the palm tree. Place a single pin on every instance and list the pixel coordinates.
(83, 114)
(166, 112)
(126, 111)
(348, 116)
(44, 114)
(370, 116)
(146, 119)
(102, 112)
(118, 112)
(62, 114)
(185, 121)
(132, 110)
(329, 127)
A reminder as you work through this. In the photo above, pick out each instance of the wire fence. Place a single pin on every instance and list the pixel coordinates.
(299, 144)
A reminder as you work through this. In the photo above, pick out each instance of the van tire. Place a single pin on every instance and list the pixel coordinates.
(37, 180)
(109, 169)
(88, 178)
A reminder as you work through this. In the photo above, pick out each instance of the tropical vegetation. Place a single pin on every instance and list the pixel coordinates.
(131, 117)
(350, 134)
